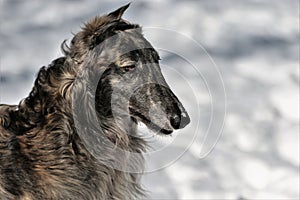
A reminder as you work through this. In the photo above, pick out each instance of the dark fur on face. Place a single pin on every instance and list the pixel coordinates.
(111, 70)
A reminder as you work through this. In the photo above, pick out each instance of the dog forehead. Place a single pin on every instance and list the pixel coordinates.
(124, 46)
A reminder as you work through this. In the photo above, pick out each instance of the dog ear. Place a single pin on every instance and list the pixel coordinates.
(117, 14)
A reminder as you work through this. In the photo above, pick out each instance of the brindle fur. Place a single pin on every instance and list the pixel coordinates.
(41, 153)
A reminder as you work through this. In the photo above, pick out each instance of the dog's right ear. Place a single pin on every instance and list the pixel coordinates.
(117, 14)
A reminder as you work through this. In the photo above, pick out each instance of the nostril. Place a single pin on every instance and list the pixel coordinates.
(175, 121)
(178, 121)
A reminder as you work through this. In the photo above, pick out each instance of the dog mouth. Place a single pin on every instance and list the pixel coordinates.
(152, 126)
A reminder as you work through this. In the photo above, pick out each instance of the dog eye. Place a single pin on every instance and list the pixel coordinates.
(129, 68)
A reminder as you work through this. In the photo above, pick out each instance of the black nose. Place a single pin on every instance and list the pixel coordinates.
(180, 121)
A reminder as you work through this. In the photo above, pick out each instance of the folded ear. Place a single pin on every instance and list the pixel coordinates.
(117, 14)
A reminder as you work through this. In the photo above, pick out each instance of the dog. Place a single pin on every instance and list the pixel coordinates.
(73, 137)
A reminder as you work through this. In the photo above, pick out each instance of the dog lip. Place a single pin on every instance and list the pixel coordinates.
(152, 126)
(165, 131)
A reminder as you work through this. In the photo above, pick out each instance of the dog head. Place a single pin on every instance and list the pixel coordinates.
(124, 72)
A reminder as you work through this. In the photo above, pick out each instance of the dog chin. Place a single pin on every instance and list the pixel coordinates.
(151, 126)
(158, 130)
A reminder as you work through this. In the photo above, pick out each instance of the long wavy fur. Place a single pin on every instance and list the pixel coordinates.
(41, 153)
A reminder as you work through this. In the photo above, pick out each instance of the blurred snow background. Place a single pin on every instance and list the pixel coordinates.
(255, 45)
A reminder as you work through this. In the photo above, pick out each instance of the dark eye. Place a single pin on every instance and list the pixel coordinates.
(129, 68)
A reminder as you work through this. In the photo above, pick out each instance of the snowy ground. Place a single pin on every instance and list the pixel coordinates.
(255, 45)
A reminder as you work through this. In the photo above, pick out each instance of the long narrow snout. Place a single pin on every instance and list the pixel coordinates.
(158, 107)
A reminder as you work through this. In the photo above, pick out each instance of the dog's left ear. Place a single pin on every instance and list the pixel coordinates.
(117, 14)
